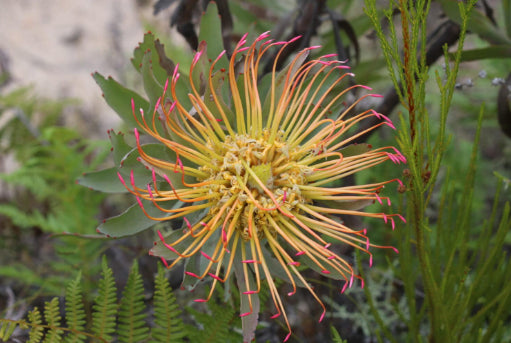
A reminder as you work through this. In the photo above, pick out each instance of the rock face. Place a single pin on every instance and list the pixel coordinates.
(55, 45)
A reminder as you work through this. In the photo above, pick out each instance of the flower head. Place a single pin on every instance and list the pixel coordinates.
(255, 169)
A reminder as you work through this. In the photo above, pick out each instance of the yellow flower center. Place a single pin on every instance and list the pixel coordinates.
(261, 179)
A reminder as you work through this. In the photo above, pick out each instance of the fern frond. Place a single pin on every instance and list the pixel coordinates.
(36, 332)
(75, 312)
(169, 326)
(336, 338)
(216, 325)
(18, 217)
(52, 316)
(132, 326)
(105, 305)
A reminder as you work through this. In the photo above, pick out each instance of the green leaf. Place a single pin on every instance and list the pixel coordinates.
(160, 250)
(478, 23)
(134, 220)
(277, 269)
(355, 149)
(166, 64)
(491, 52)
(142, 174)
(200, 71)
(161, 66)
(119, 146)
(119, 98)
(349, 205)
(152, 87)
(105, 180)
(210, 31)
(249, 322)
(506, 9)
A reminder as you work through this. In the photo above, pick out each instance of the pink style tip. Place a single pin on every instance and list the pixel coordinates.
(220, 55)
(166, 86)
(322, 316)
(216, 277)
(196, 57)
(245, 314)
(262, 36)
(164, 262)
(376, 95)
(137, 136)
(139, 202)
(193, 275)
(132, 178)
(243, 38)
(206, 255)
(200, 300)
(275, 316)
(287, 337)
(329, 56)
(132, 106)
(294, 39)
(366, 88)
(121, 179)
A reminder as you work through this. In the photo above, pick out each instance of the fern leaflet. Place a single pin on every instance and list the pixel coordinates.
(6, 329)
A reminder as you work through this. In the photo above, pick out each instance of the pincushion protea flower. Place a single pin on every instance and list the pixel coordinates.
(258, 171)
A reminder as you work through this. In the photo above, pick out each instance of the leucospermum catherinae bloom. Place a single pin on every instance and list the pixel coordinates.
(256, 168)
